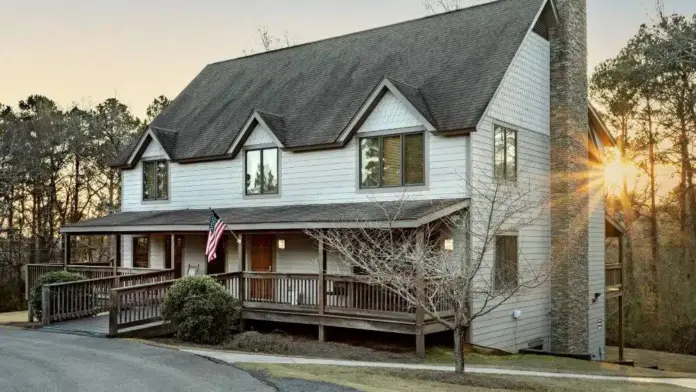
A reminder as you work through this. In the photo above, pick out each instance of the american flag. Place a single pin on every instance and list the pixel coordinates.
(215, 230)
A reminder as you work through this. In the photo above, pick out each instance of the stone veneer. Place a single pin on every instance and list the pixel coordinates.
(569, 180)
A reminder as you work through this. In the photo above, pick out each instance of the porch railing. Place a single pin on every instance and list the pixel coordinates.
(34, 271)
(613, 275)
(137, 300)
(85, 298)
(73, 300)
(136, 305)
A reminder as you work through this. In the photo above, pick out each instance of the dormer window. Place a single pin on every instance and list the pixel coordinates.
(155, 180)
(261, 171)
(392, 161)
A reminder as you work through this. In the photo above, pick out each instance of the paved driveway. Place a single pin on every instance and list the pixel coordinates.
(43, 361)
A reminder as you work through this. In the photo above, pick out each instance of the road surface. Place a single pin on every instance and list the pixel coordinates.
(43, 361)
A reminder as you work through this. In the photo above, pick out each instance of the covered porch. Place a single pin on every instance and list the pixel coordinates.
(268, 262)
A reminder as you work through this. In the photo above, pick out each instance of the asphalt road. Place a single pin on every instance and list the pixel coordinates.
(43, 361)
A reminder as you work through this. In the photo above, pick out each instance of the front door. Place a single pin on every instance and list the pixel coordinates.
(261, 249)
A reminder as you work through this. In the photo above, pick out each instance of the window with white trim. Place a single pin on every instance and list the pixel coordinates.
(261, 177)
(505, 153)
(392, 160)
(506, 262)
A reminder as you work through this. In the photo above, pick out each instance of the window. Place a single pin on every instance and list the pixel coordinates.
(155, 180)
(505, 154)
(262, 171)
(505, 262)
(141, 251)
(391, 161)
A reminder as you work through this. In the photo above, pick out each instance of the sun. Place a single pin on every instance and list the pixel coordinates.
(616, 171)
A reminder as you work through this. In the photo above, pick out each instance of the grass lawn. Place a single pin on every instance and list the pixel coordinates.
(667, 361)
(386, 380)
(551, 364)
(281, 344)
(12, 318)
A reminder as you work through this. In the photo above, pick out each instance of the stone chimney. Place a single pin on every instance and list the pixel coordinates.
(569, 180)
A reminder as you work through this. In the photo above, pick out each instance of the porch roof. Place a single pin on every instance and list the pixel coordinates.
(397, 214)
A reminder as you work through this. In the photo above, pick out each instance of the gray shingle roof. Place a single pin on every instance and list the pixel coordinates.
(409, 210)
(453, 61)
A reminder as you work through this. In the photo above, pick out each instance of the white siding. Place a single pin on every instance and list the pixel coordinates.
(389, 113)
(157, 251)
(127, 251)
(597, 320)
(194, 253)
(154, 150)
(260, 135)
(522, 103)
(325, 176)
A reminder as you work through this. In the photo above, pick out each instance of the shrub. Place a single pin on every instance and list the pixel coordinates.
(201, 310)
(253, 341)
(48, 278)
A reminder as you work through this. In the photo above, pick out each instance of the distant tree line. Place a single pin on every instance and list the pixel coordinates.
(648, 97)
(54, 170)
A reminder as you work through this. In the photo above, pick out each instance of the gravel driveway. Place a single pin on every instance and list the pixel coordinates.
(43, 361)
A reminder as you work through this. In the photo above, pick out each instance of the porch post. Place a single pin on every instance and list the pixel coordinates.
(241, 254)
(420, 312)
(117, 253)
(66, 251)
(321, 289)
(172, 253)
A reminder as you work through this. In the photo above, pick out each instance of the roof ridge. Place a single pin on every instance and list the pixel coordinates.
(441, 14)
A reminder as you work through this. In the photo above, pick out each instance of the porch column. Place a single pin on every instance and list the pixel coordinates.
(66, 251)
(241, 254)
(420, 312)
(321, 288)
(172, 253)
(117, 253)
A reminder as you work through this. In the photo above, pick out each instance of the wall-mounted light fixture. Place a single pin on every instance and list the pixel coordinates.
(448, 244)
(281, 244)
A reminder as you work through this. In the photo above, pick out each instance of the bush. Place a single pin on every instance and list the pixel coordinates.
(253, 341)
(201, 310)
(48, 278)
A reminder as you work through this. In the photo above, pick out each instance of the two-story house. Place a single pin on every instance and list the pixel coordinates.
(319, 134)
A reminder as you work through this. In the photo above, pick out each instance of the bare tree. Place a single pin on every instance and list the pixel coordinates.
(270, 42)
(437, 6)
(449, 265)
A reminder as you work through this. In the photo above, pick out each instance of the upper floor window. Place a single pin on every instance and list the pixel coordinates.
(505, 153)
(392, 160)
(262, 171)
(155, 180)
(506, 262)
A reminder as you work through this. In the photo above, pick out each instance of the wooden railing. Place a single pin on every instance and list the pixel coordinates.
(355, 295)
(34, 271)
(146, 278)
(85, 298)
(613, 276)
(72, 300)
(136, 305)
(137, 299)
(343, 294)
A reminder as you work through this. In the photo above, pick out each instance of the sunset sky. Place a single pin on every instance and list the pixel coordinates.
(83, 51)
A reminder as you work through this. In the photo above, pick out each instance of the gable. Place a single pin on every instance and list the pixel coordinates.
(154, 150)
(260, 135)
(390, 113)
(448, 66)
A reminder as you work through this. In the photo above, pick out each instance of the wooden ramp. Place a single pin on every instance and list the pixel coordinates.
(98, 326)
